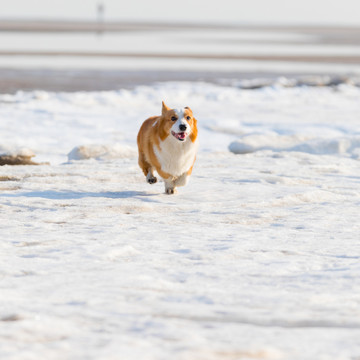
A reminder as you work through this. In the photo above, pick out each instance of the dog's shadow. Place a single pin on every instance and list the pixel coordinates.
(73, 195)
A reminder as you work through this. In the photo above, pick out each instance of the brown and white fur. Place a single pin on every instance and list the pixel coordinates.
(168, 144)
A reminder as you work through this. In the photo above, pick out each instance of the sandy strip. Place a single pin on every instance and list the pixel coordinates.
(108, 26)
(83, 25)
(333, 59)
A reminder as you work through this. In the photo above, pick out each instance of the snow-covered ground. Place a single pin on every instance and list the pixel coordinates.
(256, 258)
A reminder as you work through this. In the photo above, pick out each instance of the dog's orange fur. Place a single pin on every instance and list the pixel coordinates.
(153, 132)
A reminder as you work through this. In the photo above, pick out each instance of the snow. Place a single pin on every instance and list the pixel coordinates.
(101, 152)
(256, 258)
(341, 145)
(14, 150)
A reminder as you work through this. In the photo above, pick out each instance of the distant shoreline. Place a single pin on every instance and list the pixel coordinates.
(105, 80)
(39, 67)
(56, 25)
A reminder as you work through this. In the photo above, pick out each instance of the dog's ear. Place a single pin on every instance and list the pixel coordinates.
(164, 108)
(194, 131)
(187, 108)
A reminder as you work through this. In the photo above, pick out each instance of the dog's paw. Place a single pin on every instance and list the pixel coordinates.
(170, 191)
(151, 180)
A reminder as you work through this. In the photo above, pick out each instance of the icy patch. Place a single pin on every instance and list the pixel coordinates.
(101, 152)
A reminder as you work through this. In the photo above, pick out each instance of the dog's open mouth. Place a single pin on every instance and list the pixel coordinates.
(180, 135)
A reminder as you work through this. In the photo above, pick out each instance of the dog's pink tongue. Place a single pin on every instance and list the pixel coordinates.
(182, 135)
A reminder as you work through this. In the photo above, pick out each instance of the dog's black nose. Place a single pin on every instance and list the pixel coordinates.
(182, 127)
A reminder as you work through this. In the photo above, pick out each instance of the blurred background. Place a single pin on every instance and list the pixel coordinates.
(66, 45)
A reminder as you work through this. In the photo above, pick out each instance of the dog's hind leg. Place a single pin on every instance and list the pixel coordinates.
(147, 169)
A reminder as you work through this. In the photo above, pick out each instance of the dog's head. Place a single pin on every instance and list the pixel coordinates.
(178, 123)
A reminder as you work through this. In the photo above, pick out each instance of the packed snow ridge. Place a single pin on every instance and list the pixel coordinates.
(343, 145)
(101, 152)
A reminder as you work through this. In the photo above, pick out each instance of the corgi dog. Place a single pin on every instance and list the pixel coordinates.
(167, 144)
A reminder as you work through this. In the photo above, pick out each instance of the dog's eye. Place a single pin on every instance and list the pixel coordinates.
(173, 118)
(188, 118)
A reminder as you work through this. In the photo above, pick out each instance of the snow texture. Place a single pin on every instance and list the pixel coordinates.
(256, 258)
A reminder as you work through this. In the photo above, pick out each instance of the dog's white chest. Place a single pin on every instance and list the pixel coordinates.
(176, 157)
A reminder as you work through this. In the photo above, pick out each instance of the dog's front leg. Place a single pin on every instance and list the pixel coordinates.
(170, 187)
(150, 177)
(182, 180)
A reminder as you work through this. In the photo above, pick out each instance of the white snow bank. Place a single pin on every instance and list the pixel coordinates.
(319, 146)
(101, 152)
